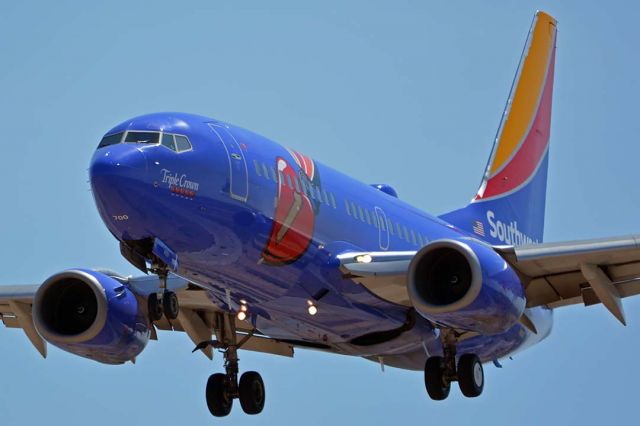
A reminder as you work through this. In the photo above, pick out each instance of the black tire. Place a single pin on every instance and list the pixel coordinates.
(434, 379)
(170, 305)
(470, 375)
(154, 307)
(218, 402)
(252, 392)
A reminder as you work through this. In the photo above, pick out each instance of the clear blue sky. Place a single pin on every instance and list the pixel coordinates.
(404, 92)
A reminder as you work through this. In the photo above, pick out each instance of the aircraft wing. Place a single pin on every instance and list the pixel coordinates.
(555, 274)
(591, 272)
(198, 316)
(15, 312)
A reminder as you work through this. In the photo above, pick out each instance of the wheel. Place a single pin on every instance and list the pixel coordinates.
(252, 394)
(217, 399)
(434, 378)
(154, 307)
(170, 305)
(470, 375)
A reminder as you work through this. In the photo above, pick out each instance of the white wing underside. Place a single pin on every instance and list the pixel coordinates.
(554, 274)
(197, 317)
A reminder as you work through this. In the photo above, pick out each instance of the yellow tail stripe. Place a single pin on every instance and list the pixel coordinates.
(527, 91)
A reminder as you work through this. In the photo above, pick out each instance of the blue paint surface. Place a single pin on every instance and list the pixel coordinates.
(409, 95)
(220, 229)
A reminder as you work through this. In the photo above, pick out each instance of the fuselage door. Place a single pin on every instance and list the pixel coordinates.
(238, 173)
(383, 228)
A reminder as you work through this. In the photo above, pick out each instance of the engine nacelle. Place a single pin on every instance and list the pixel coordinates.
(465, 285)
(90, 314)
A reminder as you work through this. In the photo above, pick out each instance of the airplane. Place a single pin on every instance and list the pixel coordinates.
(246, 244)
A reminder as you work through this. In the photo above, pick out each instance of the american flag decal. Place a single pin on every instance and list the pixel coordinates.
(478, 228)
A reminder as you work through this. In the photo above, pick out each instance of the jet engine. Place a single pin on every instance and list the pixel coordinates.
(465, 285)
(90, 314)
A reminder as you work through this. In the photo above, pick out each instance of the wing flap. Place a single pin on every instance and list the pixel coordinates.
(15, 312)
(196, 316)
(197, 320)
(588, 272)
(553, 273)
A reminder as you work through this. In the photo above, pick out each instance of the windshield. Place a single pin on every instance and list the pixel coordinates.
(176, 143)
(142, 137)
(111, 139)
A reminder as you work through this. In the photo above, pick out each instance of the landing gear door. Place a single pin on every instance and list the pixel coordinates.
(238, 173)
(383, 228)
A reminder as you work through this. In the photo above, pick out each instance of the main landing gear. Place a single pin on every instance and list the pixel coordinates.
(164, 301)
(223, 388)
(440, 371)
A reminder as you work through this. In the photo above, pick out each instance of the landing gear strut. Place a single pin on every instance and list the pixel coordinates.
(440, 371)
(164, 301)
(223, 388)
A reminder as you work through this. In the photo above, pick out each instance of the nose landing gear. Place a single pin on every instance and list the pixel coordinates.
(164, 301)
(439, 371)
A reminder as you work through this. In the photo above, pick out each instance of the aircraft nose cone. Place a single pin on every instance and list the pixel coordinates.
(119, 182)
(121, 160)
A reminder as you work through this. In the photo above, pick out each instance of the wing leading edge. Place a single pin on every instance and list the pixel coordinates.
(554, 274)
(198, 316)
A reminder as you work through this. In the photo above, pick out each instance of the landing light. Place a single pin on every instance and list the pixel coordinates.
(312, 308)
(242, 315)
(364, 258)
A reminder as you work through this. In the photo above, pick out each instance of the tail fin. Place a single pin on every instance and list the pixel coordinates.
(510, 203)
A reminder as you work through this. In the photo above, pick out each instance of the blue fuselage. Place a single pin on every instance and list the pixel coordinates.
(251, 220)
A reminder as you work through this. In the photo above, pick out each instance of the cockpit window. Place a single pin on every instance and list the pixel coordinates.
(176, 143)
(182, 143)
(142, 137)
(167, 140)
(111, 140)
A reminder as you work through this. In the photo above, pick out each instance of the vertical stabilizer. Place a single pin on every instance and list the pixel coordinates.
(510, 203)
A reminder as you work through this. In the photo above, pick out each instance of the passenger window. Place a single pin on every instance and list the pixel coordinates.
(390, 225)
(289, 181)
(382, 226)
(406, 233)
(346, 204)
(296, 181)
(111, 140)
(413, 237)
(361, 214)
(182, 143)
(324, 194)
(167, 140)
(265, 170)
(366, 212)
(333, 200)
(399, 230)
(308, 189)
(273, 174)
(257, 165)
